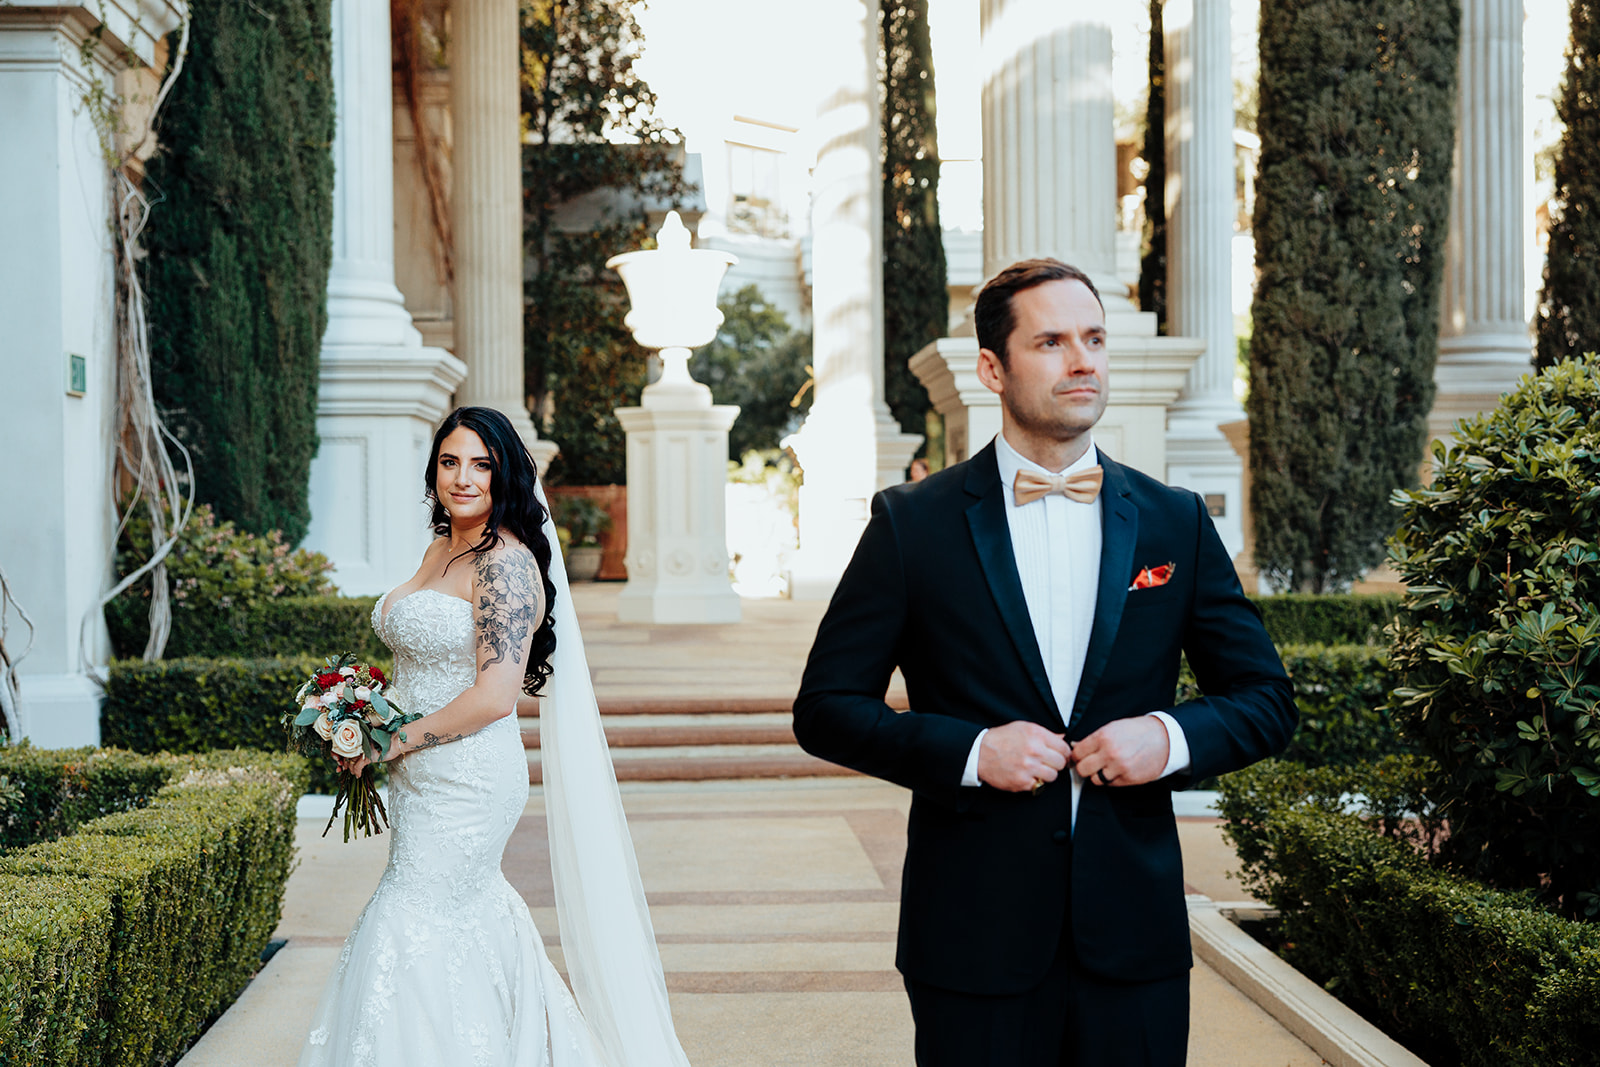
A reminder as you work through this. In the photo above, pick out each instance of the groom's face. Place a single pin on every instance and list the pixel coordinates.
(1053, 382)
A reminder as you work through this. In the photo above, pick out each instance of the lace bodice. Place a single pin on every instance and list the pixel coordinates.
(445, 965)
(430, 634)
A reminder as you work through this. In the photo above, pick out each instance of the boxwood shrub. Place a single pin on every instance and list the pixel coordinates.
(1328, 619)
(1456, 971)
(197, 705)
(1341, 690)
(56, 791)
(288, 626)
(118, 942)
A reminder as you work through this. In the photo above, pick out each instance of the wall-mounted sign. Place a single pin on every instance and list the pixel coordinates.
(77, 375)
(1216, 505)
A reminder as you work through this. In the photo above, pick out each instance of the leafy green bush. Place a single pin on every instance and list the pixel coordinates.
(58, 790)
(1327, 619)
(1456, 971)
(1341, 690)
(584, 518)
(120, 941)
(219, 574)
(1496, 645)
(200, 705)
(758, 363)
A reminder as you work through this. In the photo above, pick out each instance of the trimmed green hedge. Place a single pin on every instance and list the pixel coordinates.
(1327, 619)
(1340, 690)
(1454, 970)
(62, 789)
(288, 626)
(197, 705)
(119, 942)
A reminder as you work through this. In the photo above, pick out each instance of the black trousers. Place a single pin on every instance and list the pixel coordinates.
(1071, 1019)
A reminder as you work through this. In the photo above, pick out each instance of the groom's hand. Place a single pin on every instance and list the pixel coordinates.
(1015, 756)
(1125, 751)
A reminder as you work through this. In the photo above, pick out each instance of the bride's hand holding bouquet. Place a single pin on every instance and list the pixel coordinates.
(342, 712)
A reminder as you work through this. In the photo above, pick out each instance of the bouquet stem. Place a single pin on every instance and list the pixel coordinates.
(363, 807)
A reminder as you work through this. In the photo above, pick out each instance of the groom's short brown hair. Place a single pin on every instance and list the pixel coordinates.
(992, 314)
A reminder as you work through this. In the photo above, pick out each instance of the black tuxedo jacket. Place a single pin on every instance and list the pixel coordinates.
(933, 589)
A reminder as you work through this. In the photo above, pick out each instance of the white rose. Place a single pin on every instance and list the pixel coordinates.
(348, 672)
(330, 698)
(347, 739)
(323, 727)
(312, 704)
(363, 693)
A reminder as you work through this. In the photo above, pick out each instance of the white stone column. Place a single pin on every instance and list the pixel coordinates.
(1484, 344)
(381, 392)
(850, 446)
(486, 210)
(1049, 150)
(1200, 210)
(57, 302)
(1049, 181)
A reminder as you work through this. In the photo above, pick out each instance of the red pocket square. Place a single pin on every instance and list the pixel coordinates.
(1151, 577)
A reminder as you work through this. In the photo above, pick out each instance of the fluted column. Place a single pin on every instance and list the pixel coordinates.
(1200, 209)
(380, 391)
(486, 209)
(1484, 344)
(1049, 142)
(850, 446)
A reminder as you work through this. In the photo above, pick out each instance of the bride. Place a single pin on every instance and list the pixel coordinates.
(445, 967)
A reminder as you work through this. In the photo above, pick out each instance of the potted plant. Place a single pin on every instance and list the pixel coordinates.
(579, 523)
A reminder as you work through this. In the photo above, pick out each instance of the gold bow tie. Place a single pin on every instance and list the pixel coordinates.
(1082, 486)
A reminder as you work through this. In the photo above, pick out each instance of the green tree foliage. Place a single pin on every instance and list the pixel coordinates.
(916, 296)
(1357, 129)
(597, 153)
(759, 364)
(1498, 642)
(239, 250)
(1153, 267)
(1568, 324)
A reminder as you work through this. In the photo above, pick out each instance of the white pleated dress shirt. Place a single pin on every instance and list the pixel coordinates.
(1056, 542)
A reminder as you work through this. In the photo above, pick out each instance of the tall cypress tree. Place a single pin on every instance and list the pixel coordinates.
(916, 297)
(1357, 127)
(1569, 307)
(1153, 267)
(239, 253)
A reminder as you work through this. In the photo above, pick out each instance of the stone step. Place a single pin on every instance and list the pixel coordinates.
(621, 737)
(700, 763)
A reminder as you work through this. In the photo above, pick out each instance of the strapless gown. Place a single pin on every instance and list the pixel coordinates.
(445, 967)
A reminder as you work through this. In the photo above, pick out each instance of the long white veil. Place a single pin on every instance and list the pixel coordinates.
(606, 937)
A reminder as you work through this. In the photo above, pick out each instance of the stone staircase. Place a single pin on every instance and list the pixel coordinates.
(693, 739)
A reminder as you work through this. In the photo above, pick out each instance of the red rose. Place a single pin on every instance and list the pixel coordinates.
(377, 675)
(329, 680)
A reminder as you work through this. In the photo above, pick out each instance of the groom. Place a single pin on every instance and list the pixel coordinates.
(1036, 599)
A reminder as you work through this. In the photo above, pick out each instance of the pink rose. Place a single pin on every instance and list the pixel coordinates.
(347, 739)
(323, 727)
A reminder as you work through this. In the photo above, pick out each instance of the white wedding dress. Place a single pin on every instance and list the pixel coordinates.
(444, 967)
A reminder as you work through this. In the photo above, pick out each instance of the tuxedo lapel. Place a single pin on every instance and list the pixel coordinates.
(991, 535)
(1119, 532)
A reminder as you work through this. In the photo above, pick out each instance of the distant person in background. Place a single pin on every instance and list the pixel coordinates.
(919, 469)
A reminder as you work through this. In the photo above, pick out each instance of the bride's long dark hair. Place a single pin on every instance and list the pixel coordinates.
(513, 506)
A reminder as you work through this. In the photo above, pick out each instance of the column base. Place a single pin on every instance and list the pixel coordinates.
(60, 710)
(895, 450)
(376, 414)
(1474, 371)
(1200, 459)
(948, 370)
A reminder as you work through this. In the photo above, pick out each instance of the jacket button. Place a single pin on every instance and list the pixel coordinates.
(1059, 837)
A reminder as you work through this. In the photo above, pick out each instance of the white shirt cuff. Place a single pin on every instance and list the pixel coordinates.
(969, 777)
(1177, 745)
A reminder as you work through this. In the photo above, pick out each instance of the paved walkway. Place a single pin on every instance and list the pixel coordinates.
(774, 902)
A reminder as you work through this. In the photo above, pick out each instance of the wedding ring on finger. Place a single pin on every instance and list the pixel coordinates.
(1038, 784)
(1100, 776)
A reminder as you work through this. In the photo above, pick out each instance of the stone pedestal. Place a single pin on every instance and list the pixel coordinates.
(57, 302)
(850, 446)
(677, 473)
(948, 370)
(486, 210)
(1200, 210)
(1484, 344)
(381, 392)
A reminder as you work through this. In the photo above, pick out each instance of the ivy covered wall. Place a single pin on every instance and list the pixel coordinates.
(239, 252)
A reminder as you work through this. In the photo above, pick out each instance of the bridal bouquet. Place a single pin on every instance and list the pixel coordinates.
(342, 711)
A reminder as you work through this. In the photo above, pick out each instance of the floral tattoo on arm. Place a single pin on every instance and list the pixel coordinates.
(507, 611)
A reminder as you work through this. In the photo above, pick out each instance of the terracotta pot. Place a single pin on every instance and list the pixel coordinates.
(614, 542)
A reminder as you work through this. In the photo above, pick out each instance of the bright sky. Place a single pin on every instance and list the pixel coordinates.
(709, 60)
